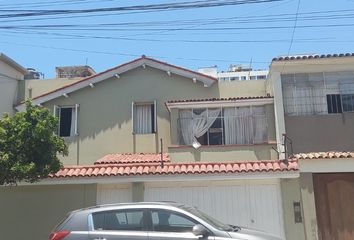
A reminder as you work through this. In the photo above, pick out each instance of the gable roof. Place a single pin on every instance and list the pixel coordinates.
(13, 64)
(143, 61)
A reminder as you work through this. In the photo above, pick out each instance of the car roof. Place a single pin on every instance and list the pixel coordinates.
(131, 204)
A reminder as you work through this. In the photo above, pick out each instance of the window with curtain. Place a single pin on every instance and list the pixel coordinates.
(144, 118)
(318, 93)
(68, 120)
(223, 126)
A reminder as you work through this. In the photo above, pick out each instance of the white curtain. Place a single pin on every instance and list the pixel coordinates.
(73, 120)
(230, 125)
(196, 125)
(142, 119)
(245, 125)
(260, 124)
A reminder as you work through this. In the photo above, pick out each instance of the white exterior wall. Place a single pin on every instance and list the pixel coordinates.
(249, 203)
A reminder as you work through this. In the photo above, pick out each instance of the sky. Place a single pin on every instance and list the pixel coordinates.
(43, 34)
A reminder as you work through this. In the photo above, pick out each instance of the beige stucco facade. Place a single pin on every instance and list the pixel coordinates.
(11, 76)
(31, 212)
(311, 133)
(105, 126)
(105, 115)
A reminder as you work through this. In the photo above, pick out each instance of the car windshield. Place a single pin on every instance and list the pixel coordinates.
(215, 223)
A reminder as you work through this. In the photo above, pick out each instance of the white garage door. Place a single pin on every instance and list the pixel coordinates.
(254, 204)
(114, 193)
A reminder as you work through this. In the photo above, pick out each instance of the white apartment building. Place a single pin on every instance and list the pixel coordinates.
(235, 73)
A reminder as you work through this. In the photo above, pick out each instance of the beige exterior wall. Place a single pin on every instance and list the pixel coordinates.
(314, 65)
(41, 86)
(242, 88)
(290, 189)
(321, 132)
(223, 153)
(105, 123)
(312, 133)
(9, 87)
(31, 212)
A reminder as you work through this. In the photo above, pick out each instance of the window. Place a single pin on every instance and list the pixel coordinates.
(68, 120)
(168, 221)
(223, 126)
(334, 103)
(253, 77)
(261, 77)
(234, 78)
(144, 118)
(243, 78)
(130, 220)
(318, 93)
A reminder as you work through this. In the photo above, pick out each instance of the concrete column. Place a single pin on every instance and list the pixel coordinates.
(290, 191)
(279, 112)
(138, 189)
(308, 206)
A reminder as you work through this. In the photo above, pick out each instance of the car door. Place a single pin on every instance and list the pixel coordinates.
(126, 224)
(171, 225)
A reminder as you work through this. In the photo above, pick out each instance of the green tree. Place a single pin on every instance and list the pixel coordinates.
(29, 147)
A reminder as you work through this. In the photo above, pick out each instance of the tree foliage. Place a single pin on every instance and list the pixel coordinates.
(29, 145)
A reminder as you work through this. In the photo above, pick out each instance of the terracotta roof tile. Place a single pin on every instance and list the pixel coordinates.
(219, 99)
(311, 56)
(175, 168)
(321, 155)
(124, 158)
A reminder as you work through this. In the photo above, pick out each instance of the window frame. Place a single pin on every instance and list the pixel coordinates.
(144, 226)
(57, 113)
(221, 116)
(152, 228)
(331, 83)
(153, 116)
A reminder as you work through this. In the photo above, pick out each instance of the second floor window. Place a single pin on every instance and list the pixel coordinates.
(223, 126)
(318, 93)
(144, 117)
(68, 120)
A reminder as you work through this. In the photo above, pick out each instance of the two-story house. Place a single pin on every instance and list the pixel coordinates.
(314, 108)
(148, 130)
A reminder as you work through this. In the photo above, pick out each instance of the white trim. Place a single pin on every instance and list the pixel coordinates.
(154, 130)
(76, 119)
(223, 103)
(166, 178)
(328, 165)
(119, 70)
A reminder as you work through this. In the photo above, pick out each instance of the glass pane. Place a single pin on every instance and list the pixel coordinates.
(168, 221)
(215, 138)
(348, 102)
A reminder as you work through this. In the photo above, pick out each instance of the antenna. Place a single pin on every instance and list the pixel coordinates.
(249, 70)
(86, 61)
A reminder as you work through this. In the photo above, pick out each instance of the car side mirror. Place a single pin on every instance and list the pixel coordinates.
(200, 230)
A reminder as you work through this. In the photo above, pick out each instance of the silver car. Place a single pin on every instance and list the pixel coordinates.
(148, 221)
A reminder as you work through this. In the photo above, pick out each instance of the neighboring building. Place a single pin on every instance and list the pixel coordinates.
(314, 106)
(11, 80)
(235, 73)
